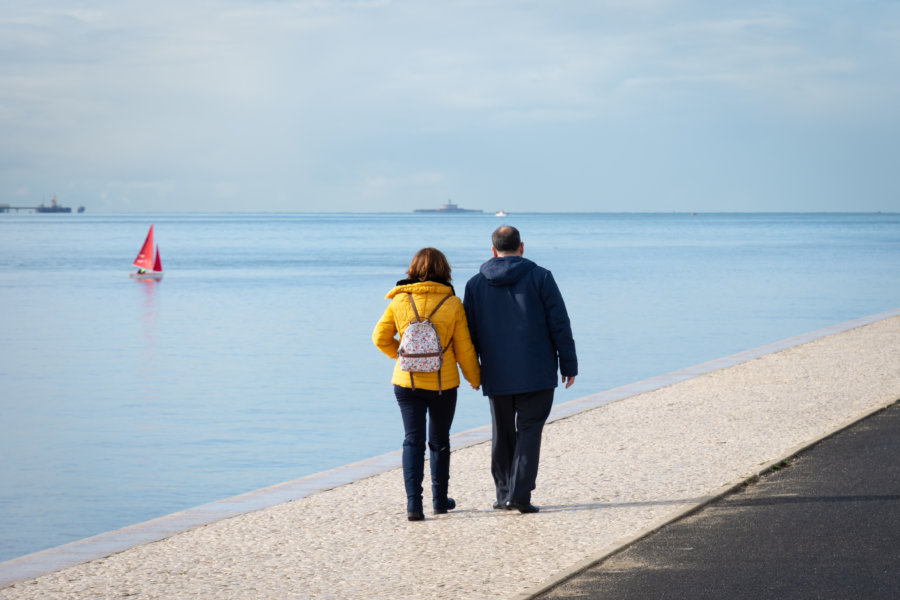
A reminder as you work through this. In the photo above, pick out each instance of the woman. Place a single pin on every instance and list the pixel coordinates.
(428, 288)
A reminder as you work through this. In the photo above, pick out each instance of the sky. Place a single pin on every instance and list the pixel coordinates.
(388, 106)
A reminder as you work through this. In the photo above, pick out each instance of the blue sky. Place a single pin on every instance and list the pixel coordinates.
(620, 105)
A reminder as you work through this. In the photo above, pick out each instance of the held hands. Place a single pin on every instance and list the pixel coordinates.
(568, 381)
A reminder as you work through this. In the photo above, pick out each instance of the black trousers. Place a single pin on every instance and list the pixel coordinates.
(415, 405)
(518, 423)
(440, 408)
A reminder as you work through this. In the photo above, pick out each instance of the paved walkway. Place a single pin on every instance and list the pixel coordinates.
(609, 473)
(827, 525)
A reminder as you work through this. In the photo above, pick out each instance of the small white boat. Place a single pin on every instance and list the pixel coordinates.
(149, 267)
(501, 213)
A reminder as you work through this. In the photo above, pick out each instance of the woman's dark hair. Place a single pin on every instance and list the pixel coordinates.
(429, 264)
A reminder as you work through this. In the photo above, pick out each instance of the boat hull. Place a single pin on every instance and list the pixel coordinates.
(448, 210)
(147, 275)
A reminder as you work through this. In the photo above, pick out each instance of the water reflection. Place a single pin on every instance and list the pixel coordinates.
(149, 347)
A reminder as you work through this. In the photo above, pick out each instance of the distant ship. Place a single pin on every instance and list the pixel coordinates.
(41, 208)
(448, 208)
(501, 213)
(53, 208)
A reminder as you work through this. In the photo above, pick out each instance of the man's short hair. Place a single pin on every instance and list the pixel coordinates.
(506, 239)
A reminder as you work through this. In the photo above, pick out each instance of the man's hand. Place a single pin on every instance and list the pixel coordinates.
(568, 381)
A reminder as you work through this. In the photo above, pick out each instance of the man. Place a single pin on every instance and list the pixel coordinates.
(521, 332)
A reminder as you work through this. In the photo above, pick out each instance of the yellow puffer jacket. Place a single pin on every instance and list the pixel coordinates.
(450, 323)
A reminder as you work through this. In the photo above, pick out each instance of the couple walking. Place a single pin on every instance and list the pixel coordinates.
(512, 321)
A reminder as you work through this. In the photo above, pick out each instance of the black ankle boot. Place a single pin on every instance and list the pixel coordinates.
(440, 478)
(441, 506)
(414, 509)
(413, 474)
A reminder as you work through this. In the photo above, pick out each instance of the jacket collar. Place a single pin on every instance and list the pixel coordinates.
(434, 286)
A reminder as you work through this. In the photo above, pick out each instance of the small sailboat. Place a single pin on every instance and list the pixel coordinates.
(149, 267)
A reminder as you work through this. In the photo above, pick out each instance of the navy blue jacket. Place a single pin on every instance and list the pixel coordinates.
(519, 326)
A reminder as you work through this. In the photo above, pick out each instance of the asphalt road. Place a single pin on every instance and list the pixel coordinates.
(827, 525)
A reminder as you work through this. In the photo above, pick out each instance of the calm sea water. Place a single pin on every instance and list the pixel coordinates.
(251, 362)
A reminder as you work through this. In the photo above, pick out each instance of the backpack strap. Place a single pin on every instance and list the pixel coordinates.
(431, 314)
(412, 383)
(413, 302)
(444, 299)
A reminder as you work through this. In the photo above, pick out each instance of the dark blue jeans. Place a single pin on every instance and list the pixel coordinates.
(518, 424)
(415, 406)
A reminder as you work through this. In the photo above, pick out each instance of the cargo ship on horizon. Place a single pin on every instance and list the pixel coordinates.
(449, 207)
(54, 207)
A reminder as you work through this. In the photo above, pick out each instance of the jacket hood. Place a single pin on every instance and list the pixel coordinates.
(420, 287)
(506, 270)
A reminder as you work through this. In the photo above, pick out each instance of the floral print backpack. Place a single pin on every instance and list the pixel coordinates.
(420, 347)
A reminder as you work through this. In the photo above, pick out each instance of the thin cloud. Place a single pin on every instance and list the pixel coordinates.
(382, 185)
(398, 99)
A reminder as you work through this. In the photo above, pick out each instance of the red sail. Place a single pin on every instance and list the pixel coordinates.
(157, 266)
(144, 258)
